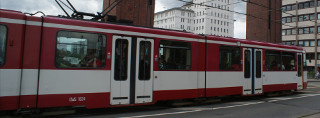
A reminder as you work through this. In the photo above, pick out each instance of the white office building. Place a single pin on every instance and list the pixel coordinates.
(210, 17)
(175, 18)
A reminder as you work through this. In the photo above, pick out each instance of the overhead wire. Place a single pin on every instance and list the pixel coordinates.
(232, 11)
(278, 22)
(261, 5)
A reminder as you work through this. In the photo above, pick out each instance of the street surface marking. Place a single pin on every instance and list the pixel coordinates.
(217, 108)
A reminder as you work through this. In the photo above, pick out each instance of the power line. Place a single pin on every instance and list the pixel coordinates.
(232, 12)
(221, 9)
(278, 22)
(261, 5)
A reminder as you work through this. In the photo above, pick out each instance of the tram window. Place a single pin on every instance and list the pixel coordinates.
(174, 55)
(229, 58)
(258, 64)
(272, 60)
(299, 65)
(121, 60)
(247, 64)
(288, 61)
(145, 60)
(80, 50)
(3, 37)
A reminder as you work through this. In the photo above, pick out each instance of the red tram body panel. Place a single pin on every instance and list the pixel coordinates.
(59, 62)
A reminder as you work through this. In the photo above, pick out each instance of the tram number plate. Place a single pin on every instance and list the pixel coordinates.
(74, 99)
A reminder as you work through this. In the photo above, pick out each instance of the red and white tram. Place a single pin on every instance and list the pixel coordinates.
(57, 62)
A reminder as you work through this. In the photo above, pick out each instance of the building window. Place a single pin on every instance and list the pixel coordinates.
(294, 19)
(294, 7)
(300, 43)
(300, 6)
(288, 32)
(229, 58)
(310, 56)
(284, 8)
(300, 18)
(311, 30)
(174, 55)
(306, 30)
(306, 17)
(293, 32)
(80, 50)
(272, 60)
(3, 40)
(311, 3)
(293, 43)
(312, 43)
(318, 56)
(312, 17)
(288, 8)
(306, 5)
(306, 43)
(300, 30)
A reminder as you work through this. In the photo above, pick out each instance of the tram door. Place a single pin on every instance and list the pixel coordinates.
(144, 69)
(252, 70)
(131, 71)
(300, 72)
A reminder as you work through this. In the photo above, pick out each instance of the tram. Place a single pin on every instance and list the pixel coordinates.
(48, 62)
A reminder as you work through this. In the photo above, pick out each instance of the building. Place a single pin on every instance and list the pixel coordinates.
(263, 18)
(175, 18)
(210, 17)
(300, 27)
(133, 12)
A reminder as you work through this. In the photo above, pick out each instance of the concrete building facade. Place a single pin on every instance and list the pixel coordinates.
(175, 18)
(210, 17)
(300, 27)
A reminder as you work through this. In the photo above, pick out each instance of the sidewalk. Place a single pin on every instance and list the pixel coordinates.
(313, 80)
(315, 115)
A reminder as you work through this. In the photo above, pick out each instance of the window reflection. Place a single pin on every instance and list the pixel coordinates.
(273, 60)
(121, 60)
(229, 58)
(145, 60)
(3, 37)
(174, 55)
(288, 61)
(80, 50)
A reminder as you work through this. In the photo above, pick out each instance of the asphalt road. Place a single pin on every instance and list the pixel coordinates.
(303, 104)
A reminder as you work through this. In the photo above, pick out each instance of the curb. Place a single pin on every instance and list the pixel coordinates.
(313, 80)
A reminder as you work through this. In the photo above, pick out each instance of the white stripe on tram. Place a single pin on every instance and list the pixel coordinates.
(73, 27)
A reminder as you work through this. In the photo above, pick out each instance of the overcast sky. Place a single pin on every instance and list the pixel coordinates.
(49, 7)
